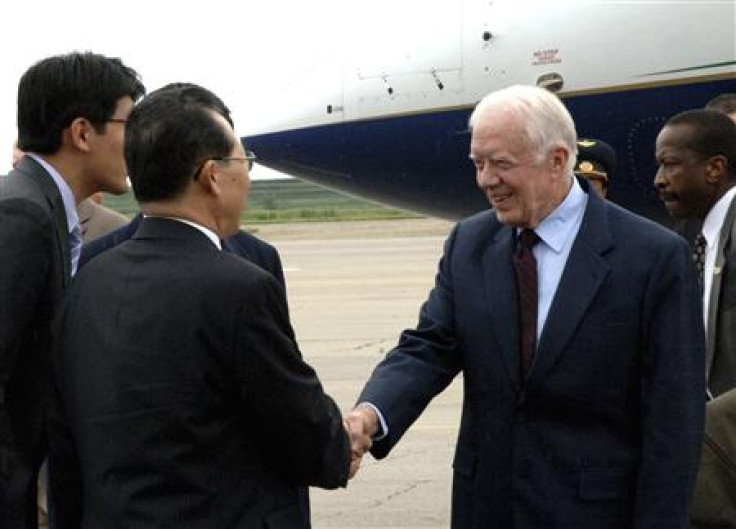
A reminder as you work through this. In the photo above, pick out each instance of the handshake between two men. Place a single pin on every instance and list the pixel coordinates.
(361, 425)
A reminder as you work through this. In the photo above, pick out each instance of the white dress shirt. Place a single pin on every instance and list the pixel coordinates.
(712, 233)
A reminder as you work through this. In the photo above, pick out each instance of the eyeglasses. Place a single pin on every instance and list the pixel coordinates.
(249, 157)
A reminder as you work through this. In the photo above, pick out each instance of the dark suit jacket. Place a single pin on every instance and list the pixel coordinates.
(721, 351)
(714, 500)
(606, 431)
(34, 268)
(242, 243)
(187, 400)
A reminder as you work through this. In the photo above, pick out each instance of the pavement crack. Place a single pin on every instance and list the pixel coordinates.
(366, 345)
(405, 489)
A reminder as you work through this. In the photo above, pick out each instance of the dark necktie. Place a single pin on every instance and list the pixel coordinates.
(75, 247)
(699, 257)
(526, 281)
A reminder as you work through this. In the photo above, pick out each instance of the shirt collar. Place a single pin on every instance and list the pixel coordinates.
(716, 216)
(556, 227)
(67, 197)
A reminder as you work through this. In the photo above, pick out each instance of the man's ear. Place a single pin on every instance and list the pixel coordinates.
(207, 178)
(715, 169)
(78, 134)
(558, 160)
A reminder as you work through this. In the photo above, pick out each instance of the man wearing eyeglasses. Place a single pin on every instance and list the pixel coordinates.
(183, 400)
(242, 243)
(68, 112)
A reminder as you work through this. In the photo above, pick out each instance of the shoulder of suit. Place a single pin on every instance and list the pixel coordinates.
(232, 276)
(483, 219)
(19, 191)
(633, 224)
(479, 226)
(21, 185)
(251, 241)
(730, 219)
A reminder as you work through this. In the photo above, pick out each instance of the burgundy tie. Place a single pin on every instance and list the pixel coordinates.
(526, 281)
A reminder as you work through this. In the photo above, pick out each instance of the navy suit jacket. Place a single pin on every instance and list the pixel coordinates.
(242, 243)
(34, 270)
(606, 430)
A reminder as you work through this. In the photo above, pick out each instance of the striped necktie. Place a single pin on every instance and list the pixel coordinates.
(699, 257)
(75, 247)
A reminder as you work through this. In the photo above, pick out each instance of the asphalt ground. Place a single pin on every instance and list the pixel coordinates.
(352, 288)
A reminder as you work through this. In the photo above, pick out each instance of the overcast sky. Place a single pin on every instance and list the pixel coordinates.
(242, 50)
(247, 52)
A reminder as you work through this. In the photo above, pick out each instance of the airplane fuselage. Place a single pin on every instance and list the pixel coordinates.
(394, 127)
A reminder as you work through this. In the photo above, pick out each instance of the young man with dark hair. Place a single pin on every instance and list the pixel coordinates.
(71, 116)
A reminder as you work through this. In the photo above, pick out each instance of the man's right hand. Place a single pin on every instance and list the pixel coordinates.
(361, 424)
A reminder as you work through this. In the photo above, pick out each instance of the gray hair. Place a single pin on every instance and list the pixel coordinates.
(546, 123)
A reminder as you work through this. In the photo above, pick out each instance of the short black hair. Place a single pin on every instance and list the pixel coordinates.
(725, 103)
(714, 134)
(57, 90)
(170, 133)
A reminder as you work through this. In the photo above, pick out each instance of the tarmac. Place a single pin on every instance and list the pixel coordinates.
(352, 288)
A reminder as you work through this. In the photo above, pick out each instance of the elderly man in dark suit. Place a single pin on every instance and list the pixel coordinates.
(576, 326)
(183, 398)
(71, 114)
(241, 243)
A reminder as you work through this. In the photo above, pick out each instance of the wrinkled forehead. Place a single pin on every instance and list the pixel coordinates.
(498, 132)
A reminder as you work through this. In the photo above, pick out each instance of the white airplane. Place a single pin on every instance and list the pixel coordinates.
(387, 120)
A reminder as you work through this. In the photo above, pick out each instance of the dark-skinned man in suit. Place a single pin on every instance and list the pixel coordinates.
(696, 179)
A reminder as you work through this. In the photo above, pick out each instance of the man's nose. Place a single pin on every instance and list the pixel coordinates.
(659, 180)
(487, 176)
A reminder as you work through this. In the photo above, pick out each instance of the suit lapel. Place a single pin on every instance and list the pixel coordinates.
(501, 298)
(34, 170)
(583, 275)
(726, 235)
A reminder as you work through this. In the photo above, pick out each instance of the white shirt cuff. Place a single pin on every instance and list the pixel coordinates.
(383, 432)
